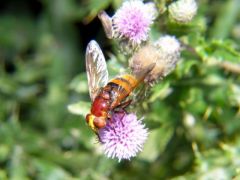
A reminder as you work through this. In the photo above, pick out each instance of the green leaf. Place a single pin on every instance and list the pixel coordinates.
(156, 143)
(4, 152)
(3, 175)
(49, 171)
(79, 83)
(160, 91)
(80, 108)
(17, 168)
(226, 17)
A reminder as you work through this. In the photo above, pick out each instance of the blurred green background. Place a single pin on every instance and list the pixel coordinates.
(193, 115)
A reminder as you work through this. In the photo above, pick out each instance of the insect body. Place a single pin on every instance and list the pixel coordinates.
(107, 96)
(110, 97)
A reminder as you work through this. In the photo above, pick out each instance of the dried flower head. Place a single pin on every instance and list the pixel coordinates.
(169, 53)
(141, 59)
(123, 136)
(132, 21)
(183, 11)
(165, 52)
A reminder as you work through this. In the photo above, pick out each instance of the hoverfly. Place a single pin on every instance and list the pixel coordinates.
(107, 95)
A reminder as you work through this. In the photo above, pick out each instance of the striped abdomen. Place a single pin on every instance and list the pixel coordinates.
(119, 88)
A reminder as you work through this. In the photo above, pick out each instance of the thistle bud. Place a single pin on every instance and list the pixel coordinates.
(183, 11)
(165, 53)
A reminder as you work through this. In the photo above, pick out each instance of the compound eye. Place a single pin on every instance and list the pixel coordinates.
(99, 122)
(90, 121)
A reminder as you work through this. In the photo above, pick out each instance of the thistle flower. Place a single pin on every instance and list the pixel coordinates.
(183, 11)
(132, 21)
(123, 136)
(165, 52)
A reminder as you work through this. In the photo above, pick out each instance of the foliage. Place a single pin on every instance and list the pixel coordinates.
(193, 114)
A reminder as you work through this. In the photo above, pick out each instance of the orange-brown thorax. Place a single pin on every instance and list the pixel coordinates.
(110, 97)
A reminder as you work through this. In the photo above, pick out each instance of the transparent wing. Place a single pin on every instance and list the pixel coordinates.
(96, 68)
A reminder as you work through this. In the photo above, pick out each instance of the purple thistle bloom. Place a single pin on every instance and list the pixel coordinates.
(132, 21)
(123, 136)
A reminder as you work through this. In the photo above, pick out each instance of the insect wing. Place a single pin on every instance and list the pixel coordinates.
(96, 68)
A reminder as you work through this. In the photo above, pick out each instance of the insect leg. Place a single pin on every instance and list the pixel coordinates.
(125, 104)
